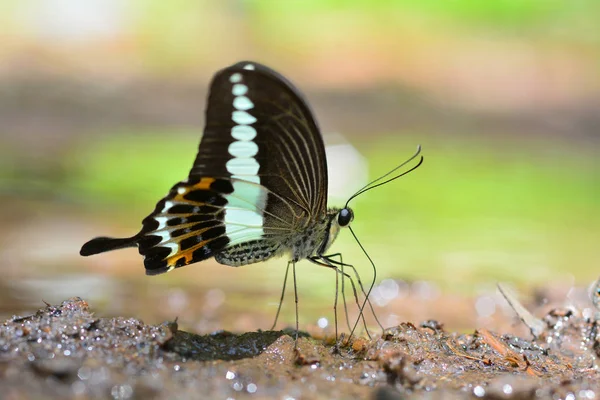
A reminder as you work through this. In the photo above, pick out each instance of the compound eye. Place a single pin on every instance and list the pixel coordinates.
(345, 217)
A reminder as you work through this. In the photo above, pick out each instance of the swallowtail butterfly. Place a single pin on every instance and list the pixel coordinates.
(257, 189)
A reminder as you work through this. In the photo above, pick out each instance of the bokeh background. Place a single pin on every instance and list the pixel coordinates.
(101, 111)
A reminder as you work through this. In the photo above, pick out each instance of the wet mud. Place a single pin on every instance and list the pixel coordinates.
(65, 352)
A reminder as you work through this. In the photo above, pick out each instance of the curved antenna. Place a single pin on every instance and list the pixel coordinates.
(374, 183)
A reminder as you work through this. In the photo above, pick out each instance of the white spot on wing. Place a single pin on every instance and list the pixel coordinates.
(168, 205)
(244, 210)
(164, 235)
(242, 103)
(249, 67)
(247, 195)
(243, 132)
(242, 166)
(162, 222)
(243, 217)
(239, 89)
(242, 118)
(243, 149)
(181, 190)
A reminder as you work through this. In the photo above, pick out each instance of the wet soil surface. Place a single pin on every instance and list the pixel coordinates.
(65, 352)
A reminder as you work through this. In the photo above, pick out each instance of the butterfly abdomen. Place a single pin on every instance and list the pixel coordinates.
(247, 253)
(104, 244)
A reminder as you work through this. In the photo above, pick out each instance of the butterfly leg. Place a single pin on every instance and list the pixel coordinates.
(296, 300)
(335, 302)
(366, 294)
(325, 262)
(344, 291)
(287, 269)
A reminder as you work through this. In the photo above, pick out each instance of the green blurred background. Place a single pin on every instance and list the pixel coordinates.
(101, 111)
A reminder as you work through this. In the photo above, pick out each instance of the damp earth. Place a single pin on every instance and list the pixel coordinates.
(65, 351)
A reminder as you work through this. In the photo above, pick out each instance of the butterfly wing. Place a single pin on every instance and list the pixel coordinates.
(259, 176)
(259, 128)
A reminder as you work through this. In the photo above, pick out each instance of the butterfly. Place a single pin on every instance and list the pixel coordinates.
(257, 188)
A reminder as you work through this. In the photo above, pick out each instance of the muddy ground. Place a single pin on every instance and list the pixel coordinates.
(65, 352)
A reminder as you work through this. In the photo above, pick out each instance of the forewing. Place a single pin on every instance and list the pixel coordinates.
(259, 128)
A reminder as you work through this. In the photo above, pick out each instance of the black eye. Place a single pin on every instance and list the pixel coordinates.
(345, 216)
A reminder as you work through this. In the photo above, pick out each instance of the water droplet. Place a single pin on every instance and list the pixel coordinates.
(238, 386)
(322, 322)
(507, 389)
(230, 375)
(479, 391)
(587, 394)
(121, 392)
(251, 388)
(84, 373)
(385, 292)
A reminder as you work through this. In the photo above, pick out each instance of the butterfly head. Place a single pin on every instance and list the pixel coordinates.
(336, 218)
(345, 216)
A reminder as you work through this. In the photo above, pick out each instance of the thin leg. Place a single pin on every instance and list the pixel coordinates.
(287, 269)
(324, 262)
(296, 300)
(344, 291)
(367, 300)
(335, 316)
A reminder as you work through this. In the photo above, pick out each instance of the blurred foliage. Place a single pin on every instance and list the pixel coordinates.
(472, 213)
(187, 35)
(504, 15)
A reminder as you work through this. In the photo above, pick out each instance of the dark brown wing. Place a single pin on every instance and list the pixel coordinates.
(263, 105)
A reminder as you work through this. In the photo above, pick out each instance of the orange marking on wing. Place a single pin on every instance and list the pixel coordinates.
(204, 184)
(188, 254)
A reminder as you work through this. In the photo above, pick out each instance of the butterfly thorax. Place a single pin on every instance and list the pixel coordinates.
(315, 239)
